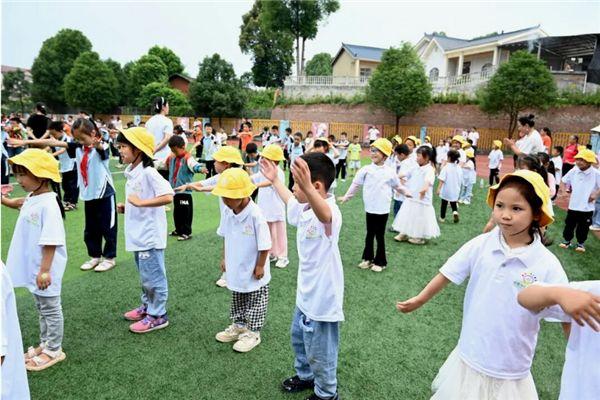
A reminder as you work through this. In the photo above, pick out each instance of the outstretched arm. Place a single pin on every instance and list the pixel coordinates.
(433, 287)
(37, 142)
(269, 171)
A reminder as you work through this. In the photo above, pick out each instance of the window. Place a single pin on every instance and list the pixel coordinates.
(434, 74)
(365, 74)
(486, 70)
(466, 67)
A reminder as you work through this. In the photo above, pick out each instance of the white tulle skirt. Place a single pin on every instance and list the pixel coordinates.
(457, 381)
(416, 220)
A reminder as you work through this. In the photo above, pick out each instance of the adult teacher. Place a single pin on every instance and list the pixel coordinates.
(38, 121)
(161, 128)
(530, 141)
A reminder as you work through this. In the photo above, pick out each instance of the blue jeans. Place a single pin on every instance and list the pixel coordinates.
(153, 276)
(315, 345)
(596, 216)
(466, 192)
(397, 205)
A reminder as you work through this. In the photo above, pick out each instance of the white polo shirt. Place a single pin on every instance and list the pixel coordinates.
(474, 136)
(417, 178)
(583, 184)
(498, 336)
(320, 291)
(531, 144)
(452, 177)
(269, 202)
(145, 227)
(160, 126)
(378, 182)
(39, 224)
(406, 166)
(245, 235)
(495, 158)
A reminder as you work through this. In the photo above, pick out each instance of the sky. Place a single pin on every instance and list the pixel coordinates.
(125, 30)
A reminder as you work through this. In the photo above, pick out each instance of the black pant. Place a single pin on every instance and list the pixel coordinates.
(291, 180)
(5, 169)
(210, 166)
(445, 207)
(340, 167)
(578, 222)
(375, 230)
(69, 185)
(56, 189)
(494, 176)
(555, 192)
(101, 222)
(183, 213)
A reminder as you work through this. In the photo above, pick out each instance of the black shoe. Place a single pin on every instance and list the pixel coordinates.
(315, 397)
(295, 384)
(174, 233)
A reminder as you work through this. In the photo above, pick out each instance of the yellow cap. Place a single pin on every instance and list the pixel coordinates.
(272, 152)
(39, 162)
(141, 138)
(234, 183)
(322, 139)
(458, 138)
(428, 138)
(383, 145)
(398, 139)
(228, 154)
(413, 139)
(538, 184)
(497, 143)
(470, 153)
(587, 155)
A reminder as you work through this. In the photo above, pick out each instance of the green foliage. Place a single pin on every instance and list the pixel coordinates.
(358, 98)
(524, 82)
(454, 98)
(16, 91)
(399, 83)
(260, 99)
(128, 92)
(146, 70)
(168, 56)
(179, 105)
(271, 50)
(121, 79)
(53, 63)
(216, 91)
(575, 97)
(319, 65)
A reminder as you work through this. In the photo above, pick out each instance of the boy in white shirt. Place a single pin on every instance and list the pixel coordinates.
(247, 244)
(320, 292)
(557, 160)
(495, 161)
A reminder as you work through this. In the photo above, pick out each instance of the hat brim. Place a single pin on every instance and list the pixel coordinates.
(545, 218)
(385, 152)
(233, 193)
(35, 169)
(587, 159)
(134, 140)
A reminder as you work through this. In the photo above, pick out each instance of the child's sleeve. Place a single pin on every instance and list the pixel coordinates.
(430, 176)
(294, 211)
(104, 153)
(359, 179)
(160, 185)
(567, 177)
(458, 267)
(263, 235)
(501, 156)
(194, 165)
(53, 228)
(443, 174)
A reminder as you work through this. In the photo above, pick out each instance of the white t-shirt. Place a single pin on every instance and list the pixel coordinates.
(495, 158)
(320, 292)
(558, 163)
(498, 336)
(406, 166)
(583, 184)
(441, 154)
(212, 182)
(531, 144)
(39, 224)
(474, 136)
(417, 178)
(469, 173)
(145, 227)
(269, 202)
(373, 134)
(160, 126)
(13, 377)
(245, 235)
(451, 174)
(378, 182)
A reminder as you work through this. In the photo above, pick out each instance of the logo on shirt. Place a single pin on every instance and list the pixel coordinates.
(311, 232)
(248, 230)
(33, 218)
(527, 278)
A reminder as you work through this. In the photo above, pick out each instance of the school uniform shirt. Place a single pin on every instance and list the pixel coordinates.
(495, 158)
(160, 126)
(269, 202)
(39, 224)
(210, 145)
(405, 166)
(462, 156)
(469, 174)
(65, 162)
(474, 136)
(245, 235)
(13, 377)
(392, 162)
(498, 336)
(558, 164)
(332, 156)
(320, 291)
(378, 182)
(182, 169)
(295, 151)
(417, 177)
(145, 227)
(354, 152)
(441, 154)
(99, 178)
(344, 149)
(451, 174)
(583, 184)
(531, 144)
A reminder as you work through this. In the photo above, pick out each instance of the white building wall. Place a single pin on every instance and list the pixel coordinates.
(479, 60)
(435, 59)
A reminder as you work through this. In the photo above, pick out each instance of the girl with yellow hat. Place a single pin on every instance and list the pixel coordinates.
(497, 341)
(495, 162)
(469, 177)
(37, 255)
(147, 193)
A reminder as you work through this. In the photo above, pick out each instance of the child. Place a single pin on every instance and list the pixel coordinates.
(245, 135)
(469, 178)
(441, 152)
(67, 166)
(498, 337)
(450, 181)
(320, 290)
(251, 163)
(309, 141)
(273, 208)
(37, 255)
(584, 181)
(411, 142)
(378, 182)
(286, 142)
(295, 150)
(210, 145)
(247, 244)
(354, 156)
(579, 301)
(405, 165)
(182, 167)
(323, 145)
(416, 220)
(342, 147)
(557, 160)
(457, 142)
(495, 162)
(146, 193)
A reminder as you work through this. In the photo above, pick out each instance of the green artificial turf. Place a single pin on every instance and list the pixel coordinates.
(383, 354)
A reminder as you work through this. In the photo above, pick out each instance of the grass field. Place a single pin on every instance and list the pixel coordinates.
(383, 354)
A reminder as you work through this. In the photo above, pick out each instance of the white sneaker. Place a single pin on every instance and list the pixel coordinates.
(272, 258)
(106, 265)
(377, 268)
(343, 180)
(442, 220)
(455, 217)
(416, 241)
(89, 265)
(595, 228)
(364, 264)
(247, 341)
(221, 282)
(282, 262)
(401, 238)
(466, 202)
(231, 333)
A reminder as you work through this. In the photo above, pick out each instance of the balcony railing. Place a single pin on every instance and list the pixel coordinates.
(326, 80)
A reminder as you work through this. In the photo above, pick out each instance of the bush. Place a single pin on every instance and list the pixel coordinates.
(569, 97)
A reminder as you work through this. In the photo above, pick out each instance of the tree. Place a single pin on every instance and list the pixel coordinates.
(216, 91)
(91, 84)
(146, 70)
(399, 83)
(272, 51)
(129, 93)
(54, 62)
(16, 90)
(179, 105)
(300, 18)
(121, 79)
(320, 65)
(521, 83)
(167, 56)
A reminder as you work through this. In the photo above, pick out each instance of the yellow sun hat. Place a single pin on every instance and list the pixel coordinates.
(397, 138)
(228, 154)
(458, 138)
(413, 139)
(587, 155)
(272, 152)
(383, 145)
(538, 184)
(470, 153)
(141, 138)
(234, 183)
(40, 163)
(322, 139)
(428, 138)
(497, 143)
